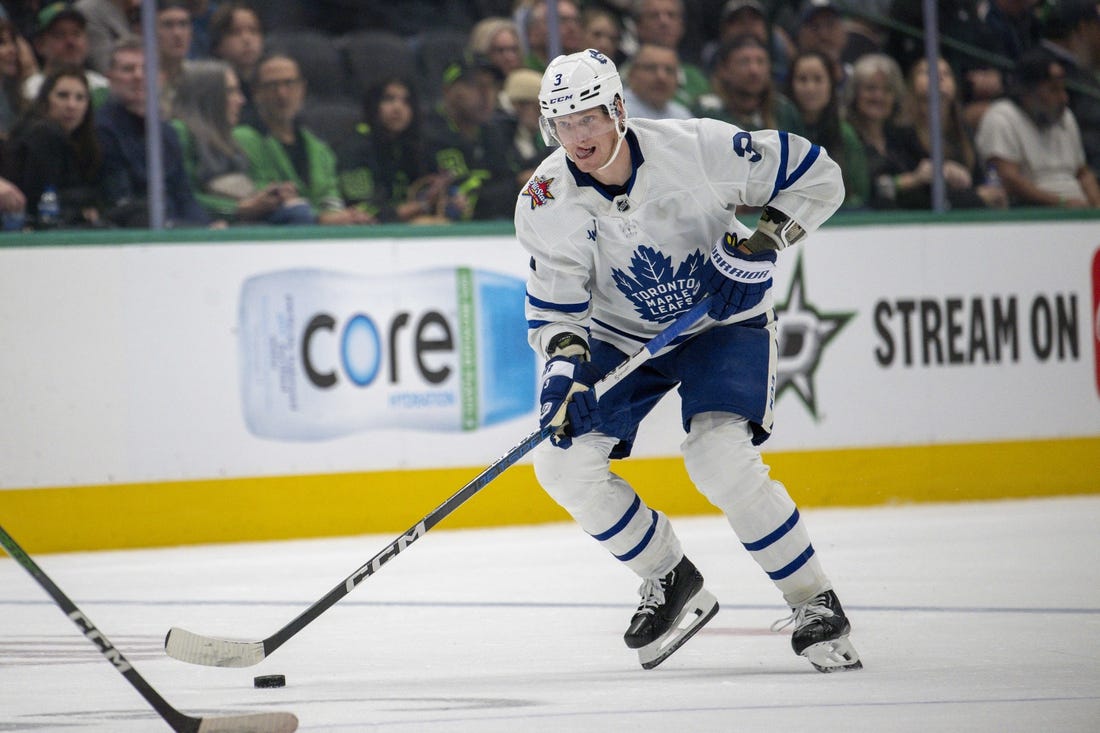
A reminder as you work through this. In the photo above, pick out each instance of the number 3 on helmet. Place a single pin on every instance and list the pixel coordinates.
(577, 82)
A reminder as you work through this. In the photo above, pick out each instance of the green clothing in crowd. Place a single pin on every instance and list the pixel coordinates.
(269, 162)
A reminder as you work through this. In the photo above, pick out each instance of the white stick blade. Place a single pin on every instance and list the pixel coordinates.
(254, 723)
(198, 649)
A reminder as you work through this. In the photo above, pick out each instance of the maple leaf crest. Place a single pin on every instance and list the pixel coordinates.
(658, 292)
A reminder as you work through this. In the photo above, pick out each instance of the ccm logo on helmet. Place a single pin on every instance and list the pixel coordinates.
(555, 100)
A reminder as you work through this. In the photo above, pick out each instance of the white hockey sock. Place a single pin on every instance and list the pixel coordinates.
(727, 468)
(606, 506)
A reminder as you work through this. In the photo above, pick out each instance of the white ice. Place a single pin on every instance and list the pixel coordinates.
(969, 617)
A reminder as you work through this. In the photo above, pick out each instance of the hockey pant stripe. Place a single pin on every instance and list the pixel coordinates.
(621, 525)
(623, 521)
(607, 507)
(793, 566)
(633, 553)
(782, 530)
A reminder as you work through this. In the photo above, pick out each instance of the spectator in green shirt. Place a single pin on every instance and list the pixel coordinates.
(280, 150)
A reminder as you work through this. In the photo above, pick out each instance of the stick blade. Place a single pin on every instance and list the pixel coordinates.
(252, 723)
(194, 648)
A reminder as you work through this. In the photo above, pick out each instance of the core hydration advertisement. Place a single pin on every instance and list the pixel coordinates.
(324, 354)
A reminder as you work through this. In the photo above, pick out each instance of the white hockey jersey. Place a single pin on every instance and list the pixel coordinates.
(619, 268)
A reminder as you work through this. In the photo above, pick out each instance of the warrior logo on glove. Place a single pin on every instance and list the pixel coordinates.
(734, 280)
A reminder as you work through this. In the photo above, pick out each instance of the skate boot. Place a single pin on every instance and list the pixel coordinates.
(673, 608)
(821, 634)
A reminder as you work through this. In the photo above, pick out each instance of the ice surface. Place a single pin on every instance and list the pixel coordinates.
(969, 617)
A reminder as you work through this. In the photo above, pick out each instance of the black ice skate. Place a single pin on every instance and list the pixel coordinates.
(673, 608)
(821, 634)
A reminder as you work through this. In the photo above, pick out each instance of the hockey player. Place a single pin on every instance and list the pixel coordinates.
(628, 224)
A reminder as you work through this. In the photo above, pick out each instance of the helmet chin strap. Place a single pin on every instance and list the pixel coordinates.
(621, 125)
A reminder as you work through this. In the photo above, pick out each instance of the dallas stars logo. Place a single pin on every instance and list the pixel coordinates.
(538, 191)
(803, 334)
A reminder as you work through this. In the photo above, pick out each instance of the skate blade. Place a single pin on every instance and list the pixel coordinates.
(694, 616)
(837, 655)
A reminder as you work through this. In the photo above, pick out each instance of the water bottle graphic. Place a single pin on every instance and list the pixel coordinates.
(49, 208)
(325, 354)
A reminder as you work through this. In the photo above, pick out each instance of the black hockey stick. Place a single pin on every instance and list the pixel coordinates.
(198, 649)
(250, 723)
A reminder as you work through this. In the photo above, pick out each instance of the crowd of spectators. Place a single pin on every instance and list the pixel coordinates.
(296, 112)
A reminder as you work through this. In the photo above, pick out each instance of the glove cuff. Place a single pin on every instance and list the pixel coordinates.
(775, 230)
(738, 266)
(569, 345)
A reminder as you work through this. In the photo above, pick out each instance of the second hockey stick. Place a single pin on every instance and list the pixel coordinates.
(195, 648)
(249, 723)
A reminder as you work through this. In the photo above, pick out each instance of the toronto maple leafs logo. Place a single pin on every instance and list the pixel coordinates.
(660, 293)
(538, 191)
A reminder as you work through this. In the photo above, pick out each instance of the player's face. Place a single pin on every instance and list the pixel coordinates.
(589, 137)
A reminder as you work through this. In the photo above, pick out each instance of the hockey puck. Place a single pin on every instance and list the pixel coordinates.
(270, 680)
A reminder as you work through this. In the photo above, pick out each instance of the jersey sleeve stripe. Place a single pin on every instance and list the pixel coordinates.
(804, 166)
(560, 307)
(782, 180)
(781, 171)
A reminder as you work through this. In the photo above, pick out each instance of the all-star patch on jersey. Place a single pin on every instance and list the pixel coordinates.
(538, 191)
(619, 265)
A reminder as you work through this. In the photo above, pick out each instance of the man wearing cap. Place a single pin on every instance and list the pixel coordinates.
(108, 22)
(1071, 32)
(821, 28)
(520, 120)
(464, 142)
(61, 39)
(748, 17)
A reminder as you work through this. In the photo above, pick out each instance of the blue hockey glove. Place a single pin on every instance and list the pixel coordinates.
(735, 281)
(567, 400)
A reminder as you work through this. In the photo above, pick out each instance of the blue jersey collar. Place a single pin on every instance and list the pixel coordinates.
(586, 179)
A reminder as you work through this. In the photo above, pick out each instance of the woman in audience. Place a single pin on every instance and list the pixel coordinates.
(207, 106)
(53, 146)
(966, 183)
(497, 39)
(237, 37)
(383, 170)
(875, 89)
(812, 88)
